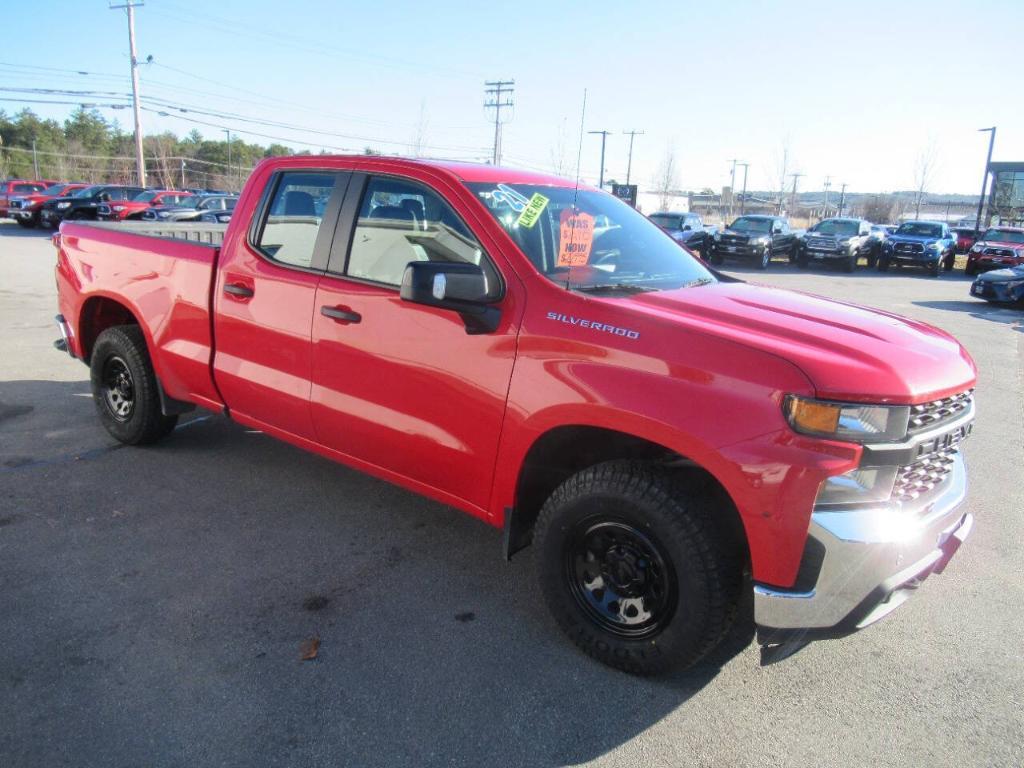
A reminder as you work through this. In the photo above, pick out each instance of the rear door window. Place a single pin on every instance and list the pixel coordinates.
(401, 221)
(291, 225)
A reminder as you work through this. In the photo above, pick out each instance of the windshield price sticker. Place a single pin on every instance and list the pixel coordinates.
(576, 237)
(532, 211)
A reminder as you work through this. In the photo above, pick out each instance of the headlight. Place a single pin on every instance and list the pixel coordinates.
(760, 241)
(847, 421)
(936, 245)
(861, 485)
(63, 205)
(118, 208)
(975, 249)
(844, 241)
(164, 215)
(717, 237)
(1013, 285)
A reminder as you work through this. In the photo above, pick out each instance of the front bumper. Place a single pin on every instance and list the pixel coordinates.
(861, 564)
(738, 250)
(50, 217)
(997, 291)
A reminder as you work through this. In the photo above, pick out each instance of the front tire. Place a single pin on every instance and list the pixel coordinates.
(883, 264)
(125, 389)
(636, 568)
(29, 223)
(933, 269)
(850, 262)
(766, 259)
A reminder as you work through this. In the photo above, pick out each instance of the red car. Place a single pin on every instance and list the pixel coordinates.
(25, 209)
(998, 248)
(18, 188)
(966, 237)
(134, 208)
(545, 358)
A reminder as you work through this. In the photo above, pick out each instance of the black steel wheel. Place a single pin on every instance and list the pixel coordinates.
(125, 388)
(620, 577)
(118, 388)
(638, 566)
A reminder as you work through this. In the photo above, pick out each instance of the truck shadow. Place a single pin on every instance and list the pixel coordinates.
(162, 594)
(13, 229)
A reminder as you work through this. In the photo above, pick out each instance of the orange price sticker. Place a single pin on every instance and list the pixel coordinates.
(576, 237)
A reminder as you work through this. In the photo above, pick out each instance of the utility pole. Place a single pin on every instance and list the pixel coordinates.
(35, 160)
(795, 177)
(732, 187)
(604, 137)
(495, 90)
(743, 194)
(183, 173)
(629, 163)
(842, 198)
(140, 162)
(984, 177)
(828, 185)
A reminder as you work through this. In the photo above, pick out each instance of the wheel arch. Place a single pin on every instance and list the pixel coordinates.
(562, 451)
(98, 313)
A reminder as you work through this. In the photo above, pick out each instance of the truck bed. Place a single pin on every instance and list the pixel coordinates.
(159, 276)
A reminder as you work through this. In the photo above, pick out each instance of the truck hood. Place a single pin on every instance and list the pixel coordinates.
(848, 352)
(924, 239)
(1000, 244)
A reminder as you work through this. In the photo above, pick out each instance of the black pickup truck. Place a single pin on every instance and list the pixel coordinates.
(687, 229)
(756, 237)
(84, 203)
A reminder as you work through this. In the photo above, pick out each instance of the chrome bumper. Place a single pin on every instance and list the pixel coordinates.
(870, 560)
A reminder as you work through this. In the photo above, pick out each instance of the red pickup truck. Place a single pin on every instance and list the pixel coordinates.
(25, 209)
(17, 188)
(545, 358)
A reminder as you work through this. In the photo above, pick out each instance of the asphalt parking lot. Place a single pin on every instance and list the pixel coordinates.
(153, 602)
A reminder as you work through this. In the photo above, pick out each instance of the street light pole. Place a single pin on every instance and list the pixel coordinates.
(743, 194)
(842, 199)
(984, 177)
(604, 137)
(732, 187)
(629, 163)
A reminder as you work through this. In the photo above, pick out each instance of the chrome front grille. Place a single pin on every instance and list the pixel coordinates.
(924, 475)
(938, 412)
(819, 244)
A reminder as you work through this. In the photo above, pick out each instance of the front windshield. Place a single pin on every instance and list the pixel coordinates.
(919, 229)
(55, 190)
(667, 221)
(751, 224)
(144, 197)
(1004, 236)
(601, 244)
(87, 191)
(187, 202)
(836, 227)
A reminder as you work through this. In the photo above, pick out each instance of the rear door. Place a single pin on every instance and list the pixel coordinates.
(265, 292)
(403, 388)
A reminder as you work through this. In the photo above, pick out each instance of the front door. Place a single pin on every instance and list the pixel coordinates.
(265, 294)
(400, 387)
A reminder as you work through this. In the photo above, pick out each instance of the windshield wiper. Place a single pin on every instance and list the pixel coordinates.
(699, 281)
(613, 288)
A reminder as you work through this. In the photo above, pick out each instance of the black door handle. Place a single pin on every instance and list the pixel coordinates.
(238, 290)
(343, 315)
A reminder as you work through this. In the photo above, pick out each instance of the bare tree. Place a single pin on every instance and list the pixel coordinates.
(924, 171)
(784, 159)
(560, 162)
(419, 136)
(667, 179)
(879, 208)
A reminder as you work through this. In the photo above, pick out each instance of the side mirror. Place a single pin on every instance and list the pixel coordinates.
(687, 227)
(103, 197)
(457, 286)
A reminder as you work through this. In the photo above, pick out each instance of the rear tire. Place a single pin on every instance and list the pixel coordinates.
(125, 388)
(636, 567)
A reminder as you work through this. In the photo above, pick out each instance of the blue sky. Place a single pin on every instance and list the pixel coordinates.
(856, 91)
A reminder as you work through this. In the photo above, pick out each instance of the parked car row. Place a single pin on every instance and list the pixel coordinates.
(48, 203)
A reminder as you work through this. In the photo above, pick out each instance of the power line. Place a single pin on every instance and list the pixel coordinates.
(494, 89)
